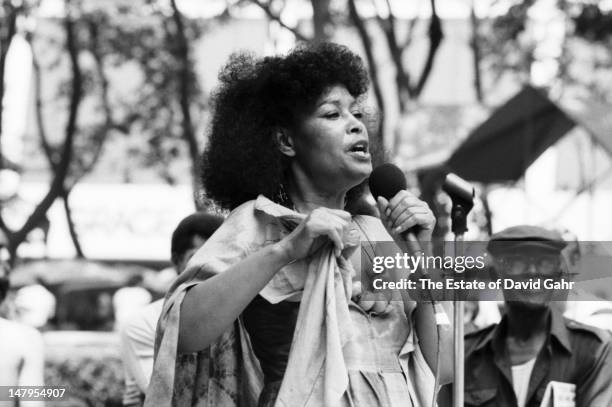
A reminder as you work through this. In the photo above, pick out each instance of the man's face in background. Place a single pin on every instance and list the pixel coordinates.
(526, 265)
(195, 243)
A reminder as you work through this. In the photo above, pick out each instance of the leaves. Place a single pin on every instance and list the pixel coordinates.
(511, 47)
(593, 24)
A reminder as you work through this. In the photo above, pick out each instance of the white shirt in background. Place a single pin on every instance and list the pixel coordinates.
(127, 300)
(520, 380)
(34, 305)
(137, 337)
(21, 359)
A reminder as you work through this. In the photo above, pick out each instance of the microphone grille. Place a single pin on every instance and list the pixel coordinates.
(386, 181)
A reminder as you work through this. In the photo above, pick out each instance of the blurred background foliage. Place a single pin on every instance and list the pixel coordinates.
(88, 365)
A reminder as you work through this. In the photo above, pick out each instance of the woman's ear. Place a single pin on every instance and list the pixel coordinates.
(285, 143)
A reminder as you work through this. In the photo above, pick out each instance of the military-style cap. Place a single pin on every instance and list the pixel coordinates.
(525, 236)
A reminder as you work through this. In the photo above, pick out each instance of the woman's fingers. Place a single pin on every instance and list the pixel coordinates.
(321, 222)
(408, 220)
(403, 202)
(382, 204)
(405, 211)
(336, 239)
(332, 223)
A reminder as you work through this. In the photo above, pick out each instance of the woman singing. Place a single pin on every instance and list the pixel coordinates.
(268, 311)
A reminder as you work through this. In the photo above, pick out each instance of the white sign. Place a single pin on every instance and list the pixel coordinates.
(115, 221)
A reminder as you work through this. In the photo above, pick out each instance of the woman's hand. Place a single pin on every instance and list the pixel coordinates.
(405, 211)
(320, 223)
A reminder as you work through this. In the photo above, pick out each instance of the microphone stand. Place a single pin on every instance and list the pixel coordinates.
(462, 197)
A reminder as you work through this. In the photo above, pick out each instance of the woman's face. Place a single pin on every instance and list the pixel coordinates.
(331, 145)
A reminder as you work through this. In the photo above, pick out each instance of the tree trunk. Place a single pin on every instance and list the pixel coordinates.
(475, 44)
(185, 87)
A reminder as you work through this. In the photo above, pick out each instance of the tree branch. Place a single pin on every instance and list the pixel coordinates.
(10, 28)
(109, 121)
(42, 133)
(94, 49)
(435, 38)
(274, 17)
(185, 87)
(57, 185)
(475, 45)
(74, 236)
(50, 153)
(402, 78)
(372, 66)
(391, 18)
(410, 33)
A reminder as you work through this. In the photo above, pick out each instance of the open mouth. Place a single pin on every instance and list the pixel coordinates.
(360, 148)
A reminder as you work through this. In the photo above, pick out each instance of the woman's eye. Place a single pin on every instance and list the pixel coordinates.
(358, 115)
(332, 115)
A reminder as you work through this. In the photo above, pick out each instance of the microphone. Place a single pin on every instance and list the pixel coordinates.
(387, 180)
(458, 188)
(461, 193)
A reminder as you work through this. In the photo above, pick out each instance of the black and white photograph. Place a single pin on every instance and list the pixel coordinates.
(306, 203)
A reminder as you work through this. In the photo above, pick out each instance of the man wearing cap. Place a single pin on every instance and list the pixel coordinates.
(534, 353)
(138, 333)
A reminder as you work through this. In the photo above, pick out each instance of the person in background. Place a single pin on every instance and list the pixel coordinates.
(534, 350)
(35, 305)
(127, 299)
(138, 332)
(21, 346)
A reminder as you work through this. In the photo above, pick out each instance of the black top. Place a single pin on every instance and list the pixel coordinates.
(270, 328)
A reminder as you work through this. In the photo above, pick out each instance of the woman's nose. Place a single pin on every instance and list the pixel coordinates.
(356, 126)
